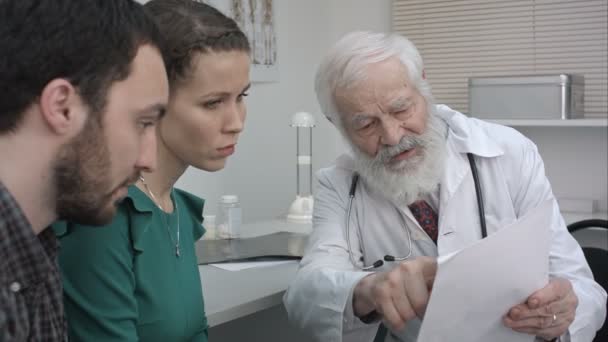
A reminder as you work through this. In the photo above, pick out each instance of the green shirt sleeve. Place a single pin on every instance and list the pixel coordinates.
(97, 271)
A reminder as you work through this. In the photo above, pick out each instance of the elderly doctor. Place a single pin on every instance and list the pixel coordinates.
(415, 199)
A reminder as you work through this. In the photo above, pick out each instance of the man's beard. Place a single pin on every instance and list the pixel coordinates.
(405, 181)
(82, 178)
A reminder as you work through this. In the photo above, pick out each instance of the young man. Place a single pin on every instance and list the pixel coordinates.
(83, 85)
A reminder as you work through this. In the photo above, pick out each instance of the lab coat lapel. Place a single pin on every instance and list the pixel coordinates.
(458, 212)
(455, 170)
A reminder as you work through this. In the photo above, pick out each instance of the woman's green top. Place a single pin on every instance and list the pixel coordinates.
(124, 282)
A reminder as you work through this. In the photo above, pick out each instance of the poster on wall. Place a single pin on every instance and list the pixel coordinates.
(256, 19)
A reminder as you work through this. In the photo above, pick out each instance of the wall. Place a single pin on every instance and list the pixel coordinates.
(575, 161)
(262, 171)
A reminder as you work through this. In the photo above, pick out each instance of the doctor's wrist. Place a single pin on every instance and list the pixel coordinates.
(362, 299)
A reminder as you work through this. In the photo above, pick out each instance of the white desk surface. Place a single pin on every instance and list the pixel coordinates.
(230, 295)
(233, 294)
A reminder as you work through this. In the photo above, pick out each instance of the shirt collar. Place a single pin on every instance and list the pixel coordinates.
(144, 204)
(141, 202)
(30, 256)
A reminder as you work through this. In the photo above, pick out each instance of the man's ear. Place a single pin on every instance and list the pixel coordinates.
(60, 106)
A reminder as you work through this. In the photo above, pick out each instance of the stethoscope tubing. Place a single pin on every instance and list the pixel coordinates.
(379, 263)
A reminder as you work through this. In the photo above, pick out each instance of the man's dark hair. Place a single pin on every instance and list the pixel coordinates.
(190, 27)
(91, 43)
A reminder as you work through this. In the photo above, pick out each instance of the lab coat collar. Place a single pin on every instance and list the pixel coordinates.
(464, 138)
(465, 135)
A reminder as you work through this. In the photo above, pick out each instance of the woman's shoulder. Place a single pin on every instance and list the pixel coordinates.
(193, 204)
(186, 196)
(193, 209)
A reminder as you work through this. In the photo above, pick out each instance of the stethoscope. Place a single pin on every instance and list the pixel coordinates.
(390, 258)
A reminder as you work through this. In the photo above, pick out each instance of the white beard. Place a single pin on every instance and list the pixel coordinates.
(405, 181)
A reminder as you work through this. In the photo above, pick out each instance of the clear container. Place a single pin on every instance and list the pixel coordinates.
(229, 217)
(209, 225)
(304, 161)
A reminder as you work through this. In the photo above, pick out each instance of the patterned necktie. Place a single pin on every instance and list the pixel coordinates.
(426, 217)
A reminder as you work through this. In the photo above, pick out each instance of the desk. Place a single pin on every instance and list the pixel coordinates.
(230, 295)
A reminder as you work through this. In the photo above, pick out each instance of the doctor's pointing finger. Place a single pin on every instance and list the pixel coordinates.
(398, 295)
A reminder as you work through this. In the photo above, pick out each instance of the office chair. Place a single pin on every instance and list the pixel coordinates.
(598, 261)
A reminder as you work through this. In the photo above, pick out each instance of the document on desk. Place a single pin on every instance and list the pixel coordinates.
(475, 287)
(239, 266)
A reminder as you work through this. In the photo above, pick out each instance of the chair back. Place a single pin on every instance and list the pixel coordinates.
(597, 258)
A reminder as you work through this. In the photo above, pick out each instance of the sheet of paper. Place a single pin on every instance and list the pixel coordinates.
(237, 266)
(476, 287)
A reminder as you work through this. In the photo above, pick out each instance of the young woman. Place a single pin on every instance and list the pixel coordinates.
(138, 280)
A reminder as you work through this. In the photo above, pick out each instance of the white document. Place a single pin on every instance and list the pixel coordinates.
(475, 287)
(238, 266)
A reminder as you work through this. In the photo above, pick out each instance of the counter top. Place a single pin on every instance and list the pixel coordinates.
(230, 295)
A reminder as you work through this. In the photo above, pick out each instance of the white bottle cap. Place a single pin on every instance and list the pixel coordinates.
(302, 119)
(230, 199)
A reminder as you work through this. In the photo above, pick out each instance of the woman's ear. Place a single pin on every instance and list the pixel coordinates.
(60, 107)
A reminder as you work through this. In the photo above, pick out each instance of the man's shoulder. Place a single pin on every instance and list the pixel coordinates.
(499, 133)
(514, 147)
(13, 234)
(508, 139)
(4, 250)
(343, 166)
(477, 129)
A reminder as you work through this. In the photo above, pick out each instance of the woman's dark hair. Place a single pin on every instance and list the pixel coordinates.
(190, 27)
(91, 43)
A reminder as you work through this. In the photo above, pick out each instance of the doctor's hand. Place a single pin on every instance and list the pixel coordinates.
(398, 295)
(547, 313)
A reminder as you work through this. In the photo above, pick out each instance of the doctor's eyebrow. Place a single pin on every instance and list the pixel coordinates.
(399, 104)
(357, 119)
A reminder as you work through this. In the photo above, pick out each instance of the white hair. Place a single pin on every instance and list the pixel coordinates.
(344, 67)
(345, 64)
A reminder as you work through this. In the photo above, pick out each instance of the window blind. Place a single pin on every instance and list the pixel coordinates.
(459, 39)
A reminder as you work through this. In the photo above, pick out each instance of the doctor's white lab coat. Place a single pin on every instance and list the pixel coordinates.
(513, 182)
